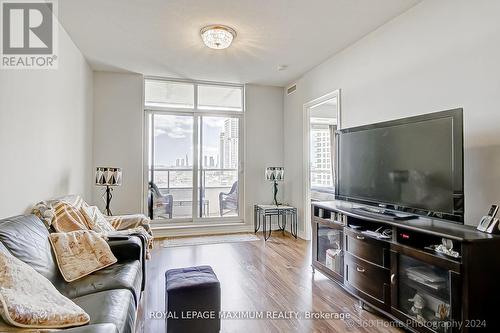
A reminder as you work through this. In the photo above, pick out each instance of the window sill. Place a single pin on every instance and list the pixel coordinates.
(179, 230)
(189, 225)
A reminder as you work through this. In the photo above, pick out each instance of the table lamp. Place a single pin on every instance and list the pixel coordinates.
(275, 174)
(109, 177)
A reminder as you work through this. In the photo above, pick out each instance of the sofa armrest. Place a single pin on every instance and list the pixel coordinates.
(126, 247)
(94, 328)
(130, 248)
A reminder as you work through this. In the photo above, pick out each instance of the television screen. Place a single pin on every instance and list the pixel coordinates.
(413, 164)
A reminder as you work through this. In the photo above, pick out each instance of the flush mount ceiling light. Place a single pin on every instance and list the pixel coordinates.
(218, 36)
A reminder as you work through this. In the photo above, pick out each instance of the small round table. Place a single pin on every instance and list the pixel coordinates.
(282, 212)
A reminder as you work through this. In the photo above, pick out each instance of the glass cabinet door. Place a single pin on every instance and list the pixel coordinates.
(424, 293)
(330, 248)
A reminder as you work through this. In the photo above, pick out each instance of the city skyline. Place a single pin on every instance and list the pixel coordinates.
(174, 146)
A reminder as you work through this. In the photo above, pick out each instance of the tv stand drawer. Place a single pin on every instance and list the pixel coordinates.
(370, 279)
(366, 248)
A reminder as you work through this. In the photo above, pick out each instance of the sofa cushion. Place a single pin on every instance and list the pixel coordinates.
(3, 248)
(129, 249)
(123, 275)
(96, 328)
(27, 238)
(113, 306)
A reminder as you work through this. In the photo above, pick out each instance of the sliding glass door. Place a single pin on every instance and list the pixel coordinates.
(194, 152)
(218, 166)
(170, 178)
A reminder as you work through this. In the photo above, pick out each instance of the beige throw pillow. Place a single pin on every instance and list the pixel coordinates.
(29, 300)
(80, 253)
(68, 218)
(96, 220)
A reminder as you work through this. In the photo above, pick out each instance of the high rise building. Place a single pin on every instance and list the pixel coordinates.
(228, 144)
(231, 127)
(222, 139)
(321, 164)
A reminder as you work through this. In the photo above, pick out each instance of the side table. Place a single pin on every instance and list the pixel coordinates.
(263, 213)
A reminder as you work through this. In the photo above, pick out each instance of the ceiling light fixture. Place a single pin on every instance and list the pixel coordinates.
(217, 37)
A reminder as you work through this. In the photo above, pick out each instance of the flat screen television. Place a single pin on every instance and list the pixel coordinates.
(412, 165)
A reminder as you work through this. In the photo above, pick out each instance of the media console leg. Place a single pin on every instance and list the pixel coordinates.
(359, 306)
(363, 306)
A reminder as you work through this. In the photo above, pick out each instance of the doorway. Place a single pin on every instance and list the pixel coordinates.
(321, 120)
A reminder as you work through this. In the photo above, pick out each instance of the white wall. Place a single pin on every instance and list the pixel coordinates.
(118, 136)
(264, 144)
(438, 55)
(45, 131)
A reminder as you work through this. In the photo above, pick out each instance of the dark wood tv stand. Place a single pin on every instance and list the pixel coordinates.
(401, 277)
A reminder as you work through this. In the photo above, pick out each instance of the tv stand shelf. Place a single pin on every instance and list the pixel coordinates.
(436, 227)
(389, 273)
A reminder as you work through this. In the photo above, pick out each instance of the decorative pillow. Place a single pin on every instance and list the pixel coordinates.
(96, 220)
(68, 218)
(79, 253)
(29, 300)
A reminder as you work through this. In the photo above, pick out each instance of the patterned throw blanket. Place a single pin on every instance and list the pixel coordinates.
(73, 209)
(134, 225)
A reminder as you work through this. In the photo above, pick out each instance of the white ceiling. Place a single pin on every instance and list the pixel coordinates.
(161, 37)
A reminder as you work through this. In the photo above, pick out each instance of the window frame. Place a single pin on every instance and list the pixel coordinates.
(197, 115)
(223, 108)
(326, 149)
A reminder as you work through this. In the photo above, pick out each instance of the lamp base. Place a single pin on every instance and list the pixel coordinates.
(107, 196)
(275, 192)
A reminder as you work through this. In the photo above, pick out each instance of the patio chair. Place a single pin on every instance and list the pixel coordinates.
(229, 201)
(158, 203)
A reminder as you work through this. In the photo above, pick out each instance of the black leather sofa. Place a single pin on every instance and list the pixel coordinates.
(110, 296)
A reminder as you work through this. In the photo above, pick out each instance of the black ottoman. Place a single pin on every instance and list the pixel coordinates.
(192, 300)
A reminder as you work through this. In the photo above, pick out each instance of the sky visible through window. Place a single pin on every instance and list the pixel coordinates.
(173, 134)
(174, 139)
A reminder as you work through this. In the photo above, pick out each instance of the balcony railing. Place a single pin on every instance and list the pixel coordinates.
(178, 182)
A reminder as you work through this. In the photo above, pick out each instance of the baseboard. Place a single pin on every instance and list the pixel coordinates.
(302, 234)
(202, 230)
(173, 231)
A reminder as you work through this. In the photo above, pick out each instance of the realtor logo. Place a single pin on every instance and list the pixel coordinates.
(28, 34)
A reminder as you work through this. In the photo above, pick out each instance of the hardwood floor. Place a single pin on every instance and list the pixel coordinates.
(262, 276)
